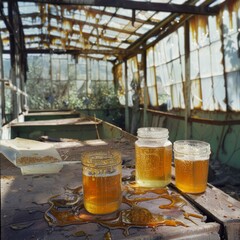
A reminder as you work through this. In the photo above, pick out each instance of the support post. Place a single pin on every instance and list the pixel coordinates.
(144, 61)
(2, 86)
(126, 97)
(187, 83)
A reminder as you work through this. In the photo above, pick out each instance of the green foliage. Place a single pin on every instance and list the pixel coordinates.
(71, 94)
(101, 97)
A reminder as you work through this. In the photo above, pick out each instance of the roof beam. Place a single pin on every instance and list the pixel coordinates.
(103, 12)
(157, 29)
(84, 37)
(51, 38)
(73, 51)
(105, 27)
(136, 5)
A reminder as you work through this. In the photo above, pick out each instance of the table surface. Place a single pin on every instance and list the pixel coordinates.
(25, 201)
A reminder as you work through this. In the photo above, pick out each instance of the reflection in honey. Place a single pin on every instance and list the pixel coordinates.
(68, 209)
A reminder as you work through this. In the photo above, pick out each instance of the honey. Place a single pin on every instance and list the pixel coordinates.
(191, 159)
(191, 175)
(154, 166)
(68, 209)
(102, 181)
(107, 192)
(153, 156)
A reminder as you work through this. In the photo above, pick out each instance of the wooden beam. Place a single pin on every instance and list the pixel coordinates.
(2, 91)
(168, 30)
(187, 82)
(100, 27)
(145, 93)
(195, 119)
(9, 84)
(93, 11)
(73, 51)
(135, 5)
(127, 123)
(60, 46)
(153, 32)
(156, 31)
(5, 20)
(85, 38)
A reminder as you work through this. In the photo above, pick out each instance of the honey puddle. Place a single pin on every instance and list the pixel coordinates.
(140, 208)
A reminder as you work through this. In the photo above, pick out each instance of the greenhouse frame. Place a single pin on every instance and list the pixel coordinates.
(171, 64)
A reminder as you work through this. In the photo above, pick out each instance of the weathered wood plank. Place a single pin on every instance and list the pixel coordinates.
(220, 207)
(25, 199)
(72, 151)
(56, 122)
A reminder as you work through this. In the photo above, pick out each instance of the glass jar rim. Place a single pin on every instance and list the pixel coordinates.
(101, 159)
(191, 147)
(152, 132)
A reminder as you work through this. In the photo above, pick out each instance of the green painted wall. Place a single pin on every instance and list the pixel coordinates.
(224, 139)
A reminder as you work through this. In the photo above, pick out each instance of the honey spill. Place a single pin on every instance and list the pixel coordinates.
(68, 209)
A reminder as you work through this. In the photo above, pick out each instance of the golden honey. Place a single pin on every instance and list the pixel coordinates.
(153, 166)
(191, 176)
(67, 209)
(191, 159)
(153, 157)
(102, 176)
(102, 194)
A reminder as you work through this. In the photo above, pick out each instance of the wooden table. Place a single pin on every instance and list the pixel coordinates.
(24, 201)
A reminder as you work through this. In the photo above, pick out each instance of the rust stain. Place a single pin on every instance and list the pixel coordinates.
(197, 22)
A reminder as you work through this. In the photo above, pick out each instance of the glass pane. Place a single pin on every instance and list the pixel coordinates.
(216, 59)
(102, 71)
(232, 61)
(162, 73)
(205, 62)
(153, 96)
(219, 93)
(194, 65)
(207, 94)
(150, 60)
(214, 28)
(151, 76)
(109, 71)
(233, 89)
(177, 70)
(81, 71)
(196, 101)
(94, 70)
(177, 96)
(55, 69)
(71, 71)
(64, 69)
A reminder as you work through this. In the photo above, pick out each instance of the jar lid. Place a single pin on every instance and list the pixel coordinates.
(101, 158)
(191, 147)
(152, 132)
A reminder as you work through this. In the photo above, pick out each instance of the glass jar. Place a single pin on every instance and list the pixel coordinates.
(102, 177)
(191, 159)
(153, 157)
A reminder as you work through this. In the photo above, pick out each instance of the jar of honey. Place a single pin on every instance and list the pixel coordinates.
(153, 156)
(102, 181)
